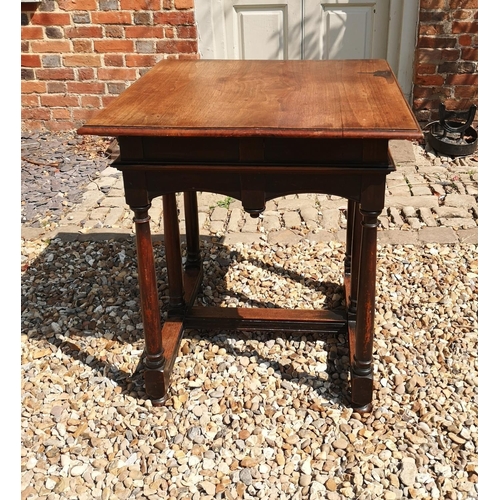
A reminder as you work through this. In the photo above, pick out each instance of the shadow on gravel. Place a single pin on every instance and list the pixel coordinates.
(80, 299)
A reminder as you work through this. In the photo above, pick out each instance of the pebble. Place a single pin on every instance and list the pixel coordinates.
(408, 471)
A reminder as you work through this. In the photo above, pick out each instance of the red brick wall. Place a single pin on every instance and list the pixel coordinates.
(446, 62)
(77, 55)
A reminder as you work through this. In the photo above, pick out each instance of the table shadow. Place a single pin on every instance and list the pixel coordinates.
(51, 280)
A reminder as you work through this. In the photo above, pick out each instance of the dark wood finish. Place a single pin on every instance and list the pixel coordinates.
(256, 130)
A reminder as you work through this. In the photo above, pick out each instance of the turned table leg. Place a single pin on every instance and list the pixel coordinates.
(361, 368)
(154, 374)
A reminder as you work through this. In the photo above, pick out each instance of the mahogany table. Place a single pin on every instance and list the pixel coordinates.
(256, 130)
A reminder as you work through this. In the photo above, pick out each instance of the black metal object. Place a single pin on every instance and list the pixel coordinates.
(453, 134)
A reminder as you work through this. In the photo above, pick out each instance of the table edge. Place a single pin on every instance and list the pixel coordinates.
(361, 133)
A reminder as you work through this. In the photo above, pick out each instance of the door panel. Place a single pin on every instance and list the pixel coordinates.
(355, 29)
(263, 29)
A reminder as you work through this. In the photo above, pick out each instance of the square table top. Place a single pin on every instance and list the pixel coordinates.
(241, 98)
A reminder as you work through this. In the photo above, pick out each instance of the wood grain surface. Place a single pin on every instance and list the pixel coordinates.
(229, 98)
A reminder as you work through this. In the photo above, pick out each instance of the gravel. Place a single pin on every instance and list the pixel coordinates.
(252, 414)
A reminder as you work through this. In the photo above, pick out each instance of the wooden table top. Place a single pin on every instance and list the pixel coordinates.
(234, 98)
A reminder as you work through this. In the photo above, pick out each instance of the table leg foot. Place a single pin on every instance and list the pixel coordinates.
(156, 382)
(361, 391)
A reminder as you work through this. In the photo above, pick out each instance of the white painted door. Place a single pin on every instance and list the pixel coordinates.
(311, 29)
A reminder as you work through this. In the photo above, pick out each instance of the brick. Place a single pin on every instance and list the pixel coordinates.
(50, 19)
(145, 46)
(111, 17)
(60, 114)
(33, 126)
(426, 69)
(431, 92)
(438, 42)
(140, 60)
(77, 4)
(81, 17)
(82, 60)
(466, 91)
(33, 87)
(116, 74)
(83, 32)
(432, 4)
(51, 61)
(59, 126)
(458, 67)
(468, 236)
(30, 100)
(57, 46)
(82, 45)
(470, 54)
(108, 5)
(116, 88)
(85, 74)
(143, 18)
(437, 56)
(140, 4)
(114, 60)
(463, 4)
(91, 101)
(144, 32)
(433, 16)
(464, 27)
(31, 32)
(187, 32)
(431, 29)
(31, 61)
(84, 113)
(60, 101)
(55, 74)
(465, 40)
(464, 14)
(35, 114)
(184, 4)
(177, 46)
(174, 18)
(104, 46)
(462, 80)
(86, 87)
(114, 31)
(429, 80)
(56, 87)
(439, 235)
(54, 32)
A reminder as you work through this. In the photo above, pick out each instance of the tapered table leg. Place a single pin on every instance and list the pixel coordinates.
(154, 375)
(362, 365)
